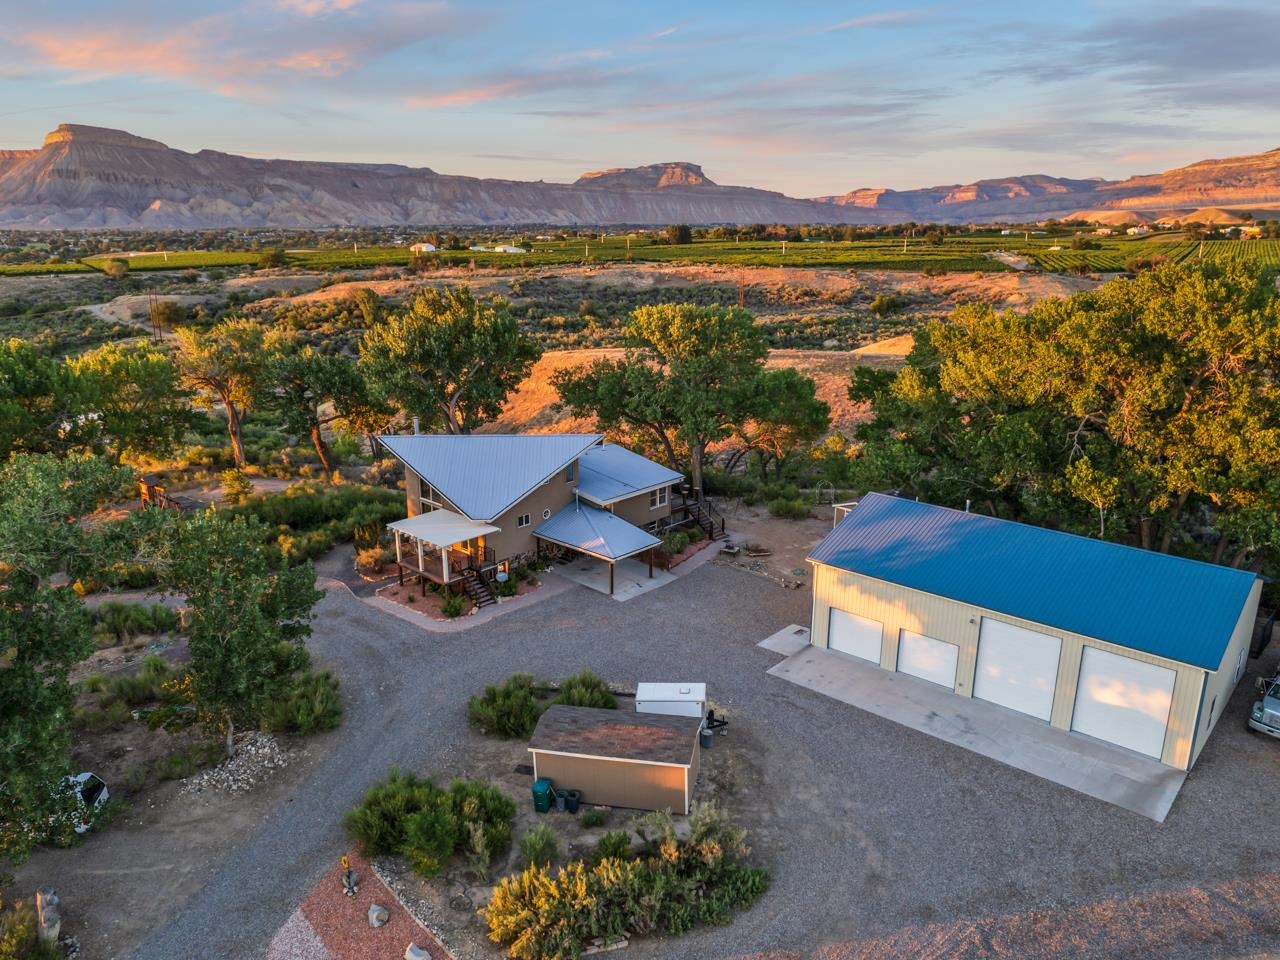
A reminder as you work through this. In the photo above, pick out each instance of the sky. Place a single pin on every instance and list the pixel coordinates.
(810, 98)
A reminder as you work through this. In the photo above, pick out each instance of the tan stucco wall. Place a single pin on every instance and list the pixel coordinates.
(635, 510)
(1223, 681)
(617, 783)
(899, 608)
(514, 540)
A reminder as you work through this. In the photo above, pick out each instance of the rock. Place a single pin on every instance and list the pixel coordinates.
(378, 915)
(415, 952)
(258, 755)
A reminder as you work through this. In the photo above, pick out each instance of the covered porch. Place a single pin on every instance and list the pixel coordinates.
(442, 546)
(600, 536)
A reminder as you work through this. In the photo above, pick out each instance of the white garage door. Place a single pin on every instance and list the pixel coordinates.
(852, 634)
(927, 658)
(1123, 701)
(1017, 667)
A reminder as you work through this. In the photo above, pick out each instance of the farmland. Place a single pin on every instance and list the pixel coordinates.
(954, 254)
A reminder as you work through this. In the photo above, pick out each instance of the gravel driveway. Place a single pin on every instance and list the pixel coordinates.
(872, 831)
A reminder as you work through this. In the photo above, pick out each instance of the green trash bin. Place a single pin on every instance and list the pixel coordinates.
(542, 794)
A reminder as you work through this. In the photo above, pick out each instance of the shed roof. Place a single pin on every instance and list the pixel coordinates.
(595, 531)
(485, 475)
(1166, 606)
(613, 734)
(608, 473)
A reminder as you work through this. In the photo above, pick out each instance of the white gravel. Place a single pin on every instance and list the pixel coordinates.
(258, 756)
(297, 940)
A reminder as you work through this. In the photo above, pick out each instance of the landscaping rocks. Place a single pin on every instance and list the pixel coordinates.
(378, 915)
(415, 952)
(258, 755)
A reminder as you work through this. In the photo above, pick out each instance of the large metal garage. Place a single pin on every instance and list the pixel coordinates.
(1132, 647)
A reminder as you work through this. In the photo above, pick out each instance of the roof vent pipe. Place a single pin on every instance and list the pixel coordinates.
(417, 426)
(966, 503)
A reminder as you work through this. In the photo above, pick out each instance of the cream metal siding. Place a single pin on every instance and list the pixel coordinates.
(1222, 681)
(901, 608)
(633, 784)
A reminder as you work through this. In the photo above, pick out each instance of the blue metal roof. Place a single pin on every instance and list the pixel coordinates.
(484, 475)
(1166, 606)
(595, 531)
(608, 473)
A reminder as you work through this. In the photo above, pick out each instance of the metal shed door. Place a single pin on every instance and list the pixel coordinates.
(852, 634)
(1123, 701)
(928, 659)
(1017, 667)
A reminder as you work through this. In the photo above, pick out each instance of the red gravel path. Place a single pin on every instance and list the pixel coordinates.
(342, 922)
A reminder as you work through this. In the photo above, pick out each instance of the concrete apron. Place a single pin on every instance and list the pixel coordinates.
(1096, 769)
(630, 576)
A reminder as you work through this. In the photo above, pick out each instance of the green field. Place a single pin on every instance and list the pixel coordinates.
(957, 253)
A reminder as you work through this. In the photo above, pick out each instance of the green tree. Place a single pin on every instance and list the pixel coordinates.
(448, 358)
(226, 365)
(272, 257)
(313, 390)
(677, 233)
(165, 315)
(241, 613)
(369, 304)
(139, 398)
(785, 415)
(45, 406)
(115, 268)
(45, 630)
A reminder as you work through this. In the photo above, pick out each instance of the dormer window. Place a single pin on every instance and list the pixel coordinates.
(569, 471)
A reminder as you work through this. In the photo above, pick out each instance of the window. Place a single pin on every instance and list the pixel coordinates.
(427, 505)
(522, 520)
(568, 472)
(657, 498)
(546, 514)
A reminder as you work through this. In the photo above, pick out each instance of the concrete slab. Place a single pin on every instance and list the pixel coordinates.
(630, 577)
(788, 641)
(1100, 770)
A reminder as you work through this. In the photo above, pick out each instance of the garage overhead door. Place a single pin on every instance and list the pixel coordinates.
(1017, 667)
(927, 658)
(1123, 701)
(852, 634)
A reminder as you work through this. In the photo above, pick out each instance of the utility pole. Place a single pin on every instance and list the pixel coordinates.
(742, 291)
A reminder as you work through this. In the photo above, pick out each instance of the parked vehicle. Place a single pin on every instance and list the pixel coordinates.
(1265, 714)
(89, 795)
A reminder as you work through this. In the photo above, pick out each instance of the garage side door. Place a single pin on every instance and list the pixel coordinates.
(927, 658)
(1123, 701)
(1017, 667)
(855, 635)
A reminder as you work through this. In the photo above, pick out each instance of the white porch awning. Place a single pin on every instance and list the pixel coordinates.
(441, 528)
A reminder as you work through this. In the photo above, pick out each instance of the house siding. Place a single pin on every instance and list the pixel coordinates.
(635, 510)
(514, 541)
(899, 608)
(1223, 681)
(619, 783)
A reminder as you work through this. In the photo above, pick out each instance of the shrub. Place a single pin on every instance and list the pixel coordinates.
(538, 846)
(676, 542)
(789, 509)
(586, 690)
(506, 588)
(595, 818)
(614, 845)
(452, 605)
(886, 303)
(378, 823)
(236, 486)
(18, 934)
(123, 621)
(430, 837)
(509, 709)
(696, 534)
(373, 559)
(311, 706)
(484, 813)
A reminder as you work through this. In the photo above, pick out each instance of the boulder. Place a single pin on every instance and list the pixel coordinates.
(415, 952)
(378, 915)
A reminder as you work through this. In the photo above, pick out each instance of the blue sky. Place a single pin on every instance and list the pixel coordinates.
(809, 98)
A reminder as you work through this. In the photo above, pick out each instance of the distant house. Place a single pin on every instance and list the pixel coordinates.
(422, 248)
(500, 248)
(1138, 231)
(1103, 232)
(480, 504)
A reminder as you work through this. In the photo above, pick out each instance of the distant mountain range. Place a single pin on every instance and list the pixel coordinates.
(92, 177)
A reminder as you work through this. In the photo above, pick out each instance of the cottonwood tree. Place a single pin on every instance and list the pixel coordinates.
(226, 365)
(1137, 411)
(137, 397)
(45, 630)
(687, 378)
(448, 358)
(785, 415)
(242, 610)
(45, 406)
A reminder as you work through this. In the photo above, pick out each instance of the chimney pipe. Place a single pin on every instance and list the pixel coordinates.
(417, 426)
(966, 503)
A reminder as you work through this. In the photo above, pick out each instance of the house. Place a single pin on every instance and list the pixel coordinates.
(1133, 647)
(479, 504)
(422, 248)
(1139, 231)
(643, 761)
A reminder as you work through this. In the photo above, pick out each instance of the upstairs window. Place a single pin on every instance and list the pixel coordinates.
(522, 520)
(657, 498)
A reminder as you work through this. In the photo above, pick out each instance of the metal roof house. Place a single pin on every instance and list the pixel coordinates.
(1136, 648)
(477, 504)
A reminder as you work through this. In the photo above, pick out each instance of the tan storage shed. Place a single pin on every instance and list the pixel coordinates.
(638, 760)
(1132, 647)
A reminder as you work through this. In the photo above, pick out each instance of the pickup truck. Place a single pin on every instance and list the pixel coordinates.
(1265, 714)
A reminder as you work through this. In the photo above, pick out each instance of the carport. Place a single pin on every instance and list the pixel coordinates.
(599, 534)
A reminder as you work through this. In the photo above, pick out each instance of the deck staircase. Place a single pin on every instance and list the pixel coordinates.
(707, 517)
(477, 589)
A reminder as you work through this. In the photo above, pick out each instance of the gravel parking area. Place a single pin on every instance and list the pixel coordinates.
(872, 831)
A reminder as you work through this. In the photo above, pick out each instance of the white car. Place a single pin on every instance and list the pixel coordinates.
(90, 794)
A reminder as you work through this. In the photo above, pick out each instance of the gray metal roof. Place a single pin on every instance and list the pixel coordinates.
(1166, 606)
(595, 531)
(485, 475)
(609, 473)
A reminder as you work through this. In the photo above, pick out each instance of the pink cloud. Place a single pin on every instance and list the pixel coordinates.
(316, 8)
(328, 62)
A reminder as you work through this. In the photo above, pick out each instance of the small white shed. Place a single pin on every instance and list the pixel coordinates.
(672, 699)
